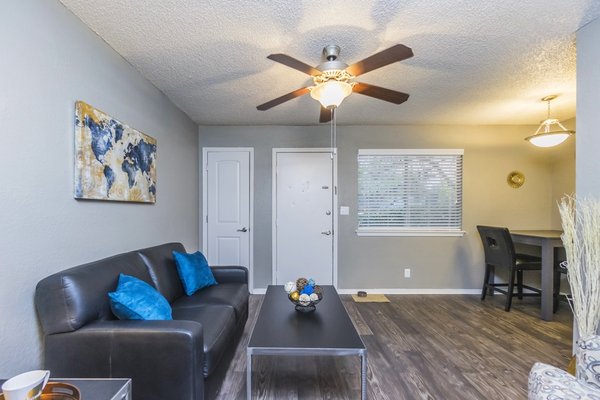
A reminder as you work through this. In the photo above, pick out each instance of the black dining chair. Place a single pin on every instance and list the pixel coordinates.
(560, 269)
(500, 252)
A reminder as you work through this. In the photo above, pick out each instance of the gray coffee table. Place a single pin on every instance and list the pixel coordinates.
(281, 330)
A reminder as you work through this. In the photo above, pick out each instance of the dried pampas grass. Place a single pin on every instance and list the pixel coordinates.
(581, 238)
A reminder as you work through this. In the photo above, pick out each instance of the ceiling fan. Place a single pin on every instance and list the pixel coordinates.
(333, 78)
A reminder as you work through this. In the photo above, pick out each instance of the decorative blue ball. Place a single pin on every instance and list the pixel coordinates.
(308, 289)
(311, 282)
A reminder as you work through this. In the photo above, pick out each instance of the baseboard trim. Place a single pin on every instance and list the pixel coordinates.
(412, 291)
(395, 291)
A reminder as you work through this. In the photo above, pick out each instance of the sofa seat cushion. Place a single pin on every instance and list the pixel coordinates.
(231, 294)
(218, 323)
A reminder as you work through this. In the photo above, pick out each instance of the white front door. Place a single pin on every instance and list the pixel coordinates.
(304, 216)
(227, 207)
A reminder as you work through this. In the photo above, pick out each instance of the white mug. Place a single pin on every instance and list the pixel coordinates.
(26, 386)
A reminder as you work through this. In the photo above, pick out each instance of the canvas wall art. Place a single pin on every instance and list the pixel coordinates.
(112, 160)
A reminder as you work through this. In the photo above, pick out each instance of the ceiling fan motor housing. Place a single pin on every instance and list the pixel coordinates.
(331, 52)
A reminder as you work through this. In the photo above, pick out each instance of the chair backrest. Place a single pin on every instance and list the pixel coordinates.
(497, 245)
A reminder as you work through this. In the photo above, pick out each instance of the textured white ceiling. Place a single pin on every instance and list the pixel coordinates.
(476, 61)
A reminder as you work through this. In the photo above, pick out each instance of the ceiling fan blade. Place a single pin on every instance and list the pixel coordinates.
(380, 93)
(325, 115)
(283, 99)
(293, 63)
(395, 53)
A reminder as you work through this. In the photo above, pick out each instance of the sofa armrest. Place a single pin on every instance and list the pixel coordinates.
(154, 354)
(588, 356)
(550, 383)
(230, 274)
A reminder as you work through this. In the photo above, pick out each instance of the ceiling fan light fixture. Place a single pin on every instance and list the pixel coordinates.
(551, 132)
(331, 93)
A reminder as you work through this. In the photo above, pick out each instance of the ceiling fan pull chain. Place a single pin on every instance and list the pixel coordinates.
(334, 118)
(331, 133)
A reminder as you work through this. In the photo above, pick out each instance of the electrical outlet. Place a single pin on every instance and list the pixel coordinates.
(407, 272)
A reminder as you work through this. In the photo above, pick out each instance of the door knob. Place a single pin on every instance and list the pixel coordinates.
(326, 233)
(244, 229)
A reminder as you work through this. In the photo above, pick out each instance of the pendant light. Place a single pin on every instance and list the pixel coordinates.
(550, 132)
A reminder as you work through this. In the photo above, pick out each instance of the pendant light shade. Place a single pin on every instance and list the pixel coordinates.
(550, 132)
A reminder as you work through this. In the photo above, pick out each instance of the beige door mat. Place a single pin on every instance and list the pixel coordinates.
(371, 298)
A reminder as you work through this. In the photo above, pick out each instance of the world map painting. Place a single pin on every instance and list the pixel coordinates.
(112, 160)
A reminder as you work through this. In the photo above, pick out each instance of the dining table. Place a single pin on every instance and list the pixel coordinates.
(547, 240)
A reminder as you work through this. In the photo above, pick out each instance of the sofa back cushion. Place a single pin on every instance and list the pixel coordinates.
(162, 269)
(71, 298)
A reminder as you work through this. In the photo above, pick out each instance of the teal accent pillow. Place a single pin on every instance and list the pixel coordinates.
(194, 271)
(135, 299)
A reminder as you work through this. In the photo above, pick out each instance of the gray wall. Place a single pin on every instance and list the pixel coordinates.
(491, 152)
(588, 115)
(50, 59)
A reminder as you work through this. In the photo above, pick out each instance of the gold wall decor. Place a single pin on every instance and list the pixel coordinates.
(515, 179)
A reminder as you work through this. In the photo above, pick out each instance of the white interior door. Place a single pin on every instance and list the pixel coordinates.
(304, 216)
(227, 211)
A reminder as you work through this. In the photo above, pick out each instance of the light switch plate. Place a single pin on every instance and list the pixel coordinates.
(344, 210)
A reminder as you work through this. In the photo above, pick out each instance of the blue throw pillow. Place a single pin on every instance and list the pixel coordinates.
(135, 299)
(194, 271)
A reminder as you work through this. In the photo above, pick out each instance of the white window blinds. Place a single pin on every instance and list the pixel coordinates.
(410, 191)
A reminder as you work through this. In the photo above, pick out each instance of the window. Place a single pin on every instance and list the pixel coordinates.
(410, 192)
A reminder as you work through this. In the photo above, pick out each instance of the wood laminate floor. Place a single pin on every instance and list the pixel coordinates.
(419, 347)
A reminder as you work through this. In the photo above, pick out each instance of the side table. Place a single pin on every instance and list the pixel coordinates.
(98, 388)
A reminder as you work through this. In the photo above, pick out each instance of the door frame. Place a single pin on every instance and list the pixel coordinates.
(334, 210)
(204, 225)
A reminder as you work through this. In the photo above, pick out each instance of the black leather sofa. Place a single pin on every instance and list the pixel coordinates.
(183, 359)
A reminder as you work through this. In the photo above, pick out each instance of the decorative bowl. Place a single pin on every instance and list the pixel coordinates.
(305, 294)
(305, 307)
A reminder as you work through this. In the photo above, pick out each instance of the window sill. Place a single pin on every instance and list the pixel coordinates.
(413, 233)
